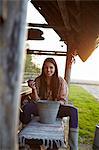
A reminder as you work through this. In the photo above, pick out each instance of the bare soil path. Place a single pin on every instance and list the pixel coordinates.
(93, 89)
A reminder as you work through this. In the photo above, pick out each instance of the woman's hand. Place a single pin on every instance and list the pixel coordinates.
(34, 93)
(61, 102)
(31, 84)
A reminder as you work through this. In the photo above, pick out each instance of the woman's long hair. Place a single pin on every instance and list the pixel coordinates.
(54, 85)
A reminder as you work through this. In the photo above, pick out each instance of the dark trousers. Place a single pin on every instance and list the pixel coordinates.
(64, 111)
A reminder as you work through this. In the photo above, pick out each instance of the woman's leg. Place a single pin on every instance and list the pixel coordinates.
(72, 112)
(28, 109)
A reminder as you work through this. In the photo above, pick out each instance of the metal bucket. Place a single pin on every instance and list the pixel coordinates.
(48, 111)
(96, 139)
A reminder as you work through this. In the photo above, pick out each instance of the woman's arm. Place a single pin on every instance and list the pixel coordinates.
(34, 95)
(63, 91)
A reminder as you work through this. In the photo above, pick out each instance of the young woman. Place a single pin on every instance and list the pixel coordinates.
(49, 86)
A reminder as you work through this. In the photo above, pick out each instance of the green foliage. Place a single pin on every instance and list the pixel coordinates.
(30, 66)
(28, 63)
(88, 108)
(31, 69)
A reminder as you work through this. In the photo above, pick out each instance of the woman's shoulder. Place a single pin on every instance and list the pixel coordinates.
(37, 79)
(37, 82)
(61, 79)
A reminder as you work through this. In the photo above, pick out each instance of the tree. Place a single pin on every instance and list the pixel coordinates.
(28, 63)
(31, 70)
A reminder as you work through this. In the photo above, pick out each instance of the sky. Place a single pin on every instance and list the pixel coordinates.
(88, 70)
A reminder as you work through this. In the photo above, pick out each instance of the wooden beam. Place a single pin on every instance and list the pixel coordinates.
(35, 34)
(39, 25)
(45, 26)
(41, 52)
(12, 43)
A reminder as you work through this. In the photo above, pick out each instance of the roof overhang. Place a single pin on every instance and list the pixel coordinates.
(76, 22)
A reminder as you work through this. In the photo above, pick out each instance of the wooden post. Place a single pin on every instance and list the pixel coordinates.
(12, 39)
(68, 66)
(69, 59)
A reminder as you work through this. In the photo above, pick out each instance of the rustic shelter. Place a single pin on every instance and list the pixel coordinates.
(76, 22)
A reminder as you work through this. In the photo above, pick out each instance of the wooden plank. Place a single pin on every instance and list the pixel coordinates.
(45, 26)
(12, 39)
(26, 90)
(35, 34)
(41, 52)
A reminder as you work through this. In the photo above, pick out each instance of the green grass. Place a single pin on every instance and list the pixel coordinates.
(88, 108)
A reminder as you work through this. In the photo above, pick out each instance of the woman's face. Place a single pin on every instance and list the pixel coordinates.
(49, 69)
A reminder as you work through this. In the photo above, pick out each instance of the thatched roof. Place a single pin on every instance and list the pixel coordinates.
(76, 22)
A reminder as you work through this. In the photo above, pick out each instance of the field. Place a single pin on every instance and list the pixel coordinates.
(88, 108)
